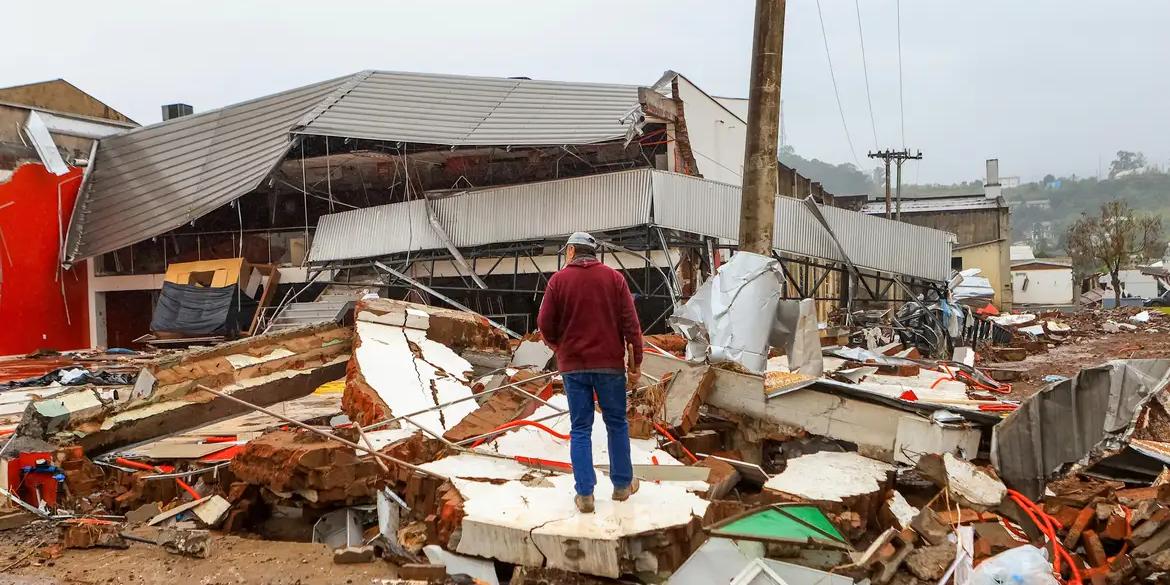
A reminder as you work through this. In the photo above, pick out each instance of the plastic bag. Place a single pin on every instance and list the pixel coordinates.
(1023, 565)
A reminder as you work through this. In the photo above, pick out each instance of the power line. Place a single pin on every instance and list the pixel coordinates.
(836, 93)
(901, 102)
(865, 70)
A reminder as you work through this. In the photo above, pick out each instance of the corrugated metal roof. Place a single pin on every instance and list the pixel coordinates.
(462, 110)
(711, 208)
(924, 205)
(153, 179)
(1083, 420)
(370, 232)
(619, 200)
(502, 214)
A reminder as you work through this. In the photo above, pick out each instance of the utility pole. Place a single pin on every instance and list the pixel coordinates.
(898, 157)
(760, 172)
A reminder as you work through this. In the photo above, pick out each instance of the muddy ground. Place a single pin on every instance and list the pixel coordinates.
(1069, 358)
(233, 560)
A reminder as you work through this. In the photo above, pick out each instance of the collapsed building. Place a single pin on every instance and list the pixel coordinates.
(464, 184)
(432, 431)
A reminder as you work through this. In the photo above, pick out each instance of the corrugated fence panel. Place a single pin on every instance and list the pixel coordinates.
(620, 200)
(552, 208)
(373, 232)
(710, 208)
(695, 205)
(505, 214)
(892, 246)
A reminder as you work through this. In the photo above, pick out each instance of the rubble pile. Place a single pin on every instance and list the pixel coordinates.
(1056, 327)
(424, 438)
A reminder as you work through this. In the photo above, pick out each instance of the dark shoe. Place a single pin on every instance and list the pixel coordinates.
(584, 504)
(623, 494)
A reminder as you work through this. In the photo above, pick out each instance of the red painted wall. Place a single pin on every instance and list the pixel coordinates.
(32, 308)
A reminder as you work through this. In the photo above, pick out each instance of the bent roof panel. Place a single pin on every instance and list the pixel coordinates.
(153, 179)
(459, 110)
(148, 181)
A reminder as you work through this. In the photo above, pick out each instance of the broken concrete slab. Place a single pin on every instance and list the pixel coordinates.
(532, 354)
(898, 511)
(211, 511)
(917, 436)
(351, 555)
(865, 415)
(535, 444)
(91, 533)
(686, 392)
(303, 464)
(930, 563)
(401, 366)
(973, 486)
(722, 479)
(395, 371)
(841, 483)
(458, 330)
(279, 366)
(538, 525)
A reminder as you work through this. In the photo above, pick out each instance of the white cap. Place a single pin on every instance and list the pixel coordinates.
(581, 239)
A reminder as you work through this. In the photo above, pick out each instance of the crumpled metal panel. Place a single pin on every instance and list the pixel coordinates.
(153, 179)
(532, 211)
(711, 208)
(373, 232)
(38, 133)
(464, 110)
(1077, 420)
(547, 209)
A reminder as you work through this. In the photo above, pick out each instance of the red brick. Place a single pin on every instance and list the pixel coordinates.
(1094, 552)
(1086, 515)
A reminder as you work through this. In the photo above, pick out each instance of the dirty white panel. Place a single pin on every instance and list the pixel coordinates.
(242, 360)
(521, 524)
(38, 134)
(468, 466)
(409, 384)
(917, 436)
(830, 477)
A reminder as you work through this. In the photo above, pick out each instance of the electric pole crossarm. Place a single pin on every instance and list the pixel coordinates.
(898, 157)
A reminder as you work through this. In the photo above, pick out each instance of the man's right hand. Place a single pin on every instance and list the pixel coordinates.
(633, 376)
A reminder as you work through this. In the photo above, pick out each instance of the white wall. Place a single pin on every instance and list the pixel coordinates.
(1044, 287)
(1133, 283)
(717, 136)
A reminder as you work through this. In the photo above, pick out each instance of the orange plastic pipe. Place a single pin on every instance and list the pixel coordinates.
(145, 467)
(520, 423)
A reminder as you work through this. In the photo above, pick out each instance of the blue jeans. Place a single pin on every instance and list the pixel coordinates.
(611, 396)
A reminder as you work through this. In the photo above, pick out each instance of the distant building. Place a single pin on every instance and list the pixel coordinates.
(1042, 282)
(1022, 252)
(1009, 182)
(981, 223)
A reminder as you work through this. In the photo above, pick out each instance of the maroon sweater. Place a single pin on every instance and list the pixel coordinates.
(588, 316)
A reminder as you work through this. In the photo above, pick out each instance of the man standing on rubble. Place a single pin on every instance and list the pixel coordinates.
(588, 318)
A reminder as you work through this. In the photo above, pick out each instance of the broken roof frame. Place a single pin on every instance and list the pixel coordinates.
(150, 180)
(153, 179)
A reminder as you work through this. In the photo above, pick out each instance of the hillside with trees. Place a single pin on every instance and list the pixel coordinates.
(1143, 188)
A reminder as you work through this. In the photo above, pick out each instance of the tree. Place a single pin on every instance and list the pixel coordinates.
(1126, 161)
(1114, 239)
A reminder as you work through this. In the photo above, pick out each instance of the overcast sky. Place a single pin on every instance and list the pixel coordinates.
(1047, 86)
